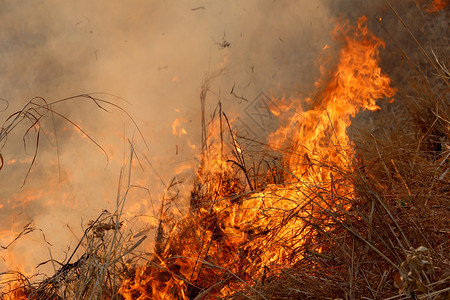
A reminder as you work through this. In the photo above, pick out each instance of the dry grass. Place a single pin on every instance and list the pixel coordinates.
(97, 265)
(393, 242)
(389, 239)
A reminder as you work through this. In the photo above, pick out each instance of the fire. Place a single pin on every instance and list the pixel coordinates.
(436, 5)
(213, 152)
(20, 224)
(177, 127)
(17, 293)
(235, 234)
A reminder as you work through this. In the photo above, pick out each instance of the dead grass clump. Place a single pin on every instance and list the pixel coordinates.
(91, 271)
(96, 267)
(393, 239)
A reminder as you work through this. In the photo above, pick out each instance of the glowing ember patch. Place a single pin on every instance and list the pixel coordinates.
(436, 6)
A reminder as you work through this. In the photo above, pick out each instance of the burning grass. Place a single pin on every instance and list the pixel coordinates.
(332, 217)
(340, 222)
(95, 267)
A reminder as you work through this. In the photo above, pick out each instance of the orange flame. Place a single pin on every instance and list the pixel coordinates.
(177, 128)
(436, 6)
(238, 235)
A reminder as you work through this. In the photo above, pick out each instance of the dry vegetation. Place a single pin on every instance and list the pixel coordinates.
(386, 239)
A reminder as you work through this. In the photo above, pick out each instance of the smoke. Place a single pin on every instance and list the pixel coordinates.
(155, 55)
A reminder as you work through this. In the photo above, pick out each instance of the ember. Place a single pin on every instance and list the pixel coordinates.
(436, 6)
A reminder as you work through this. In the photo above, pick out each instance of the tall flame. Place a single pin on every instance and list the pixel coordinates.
(238, 237)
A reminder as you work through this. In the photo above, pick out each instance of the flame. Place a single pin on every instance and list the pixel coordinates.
(19, 161)
(242, 234)
(213, 156)
(15, 290)
(436, 6)
(15, 252)
(177, 128)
